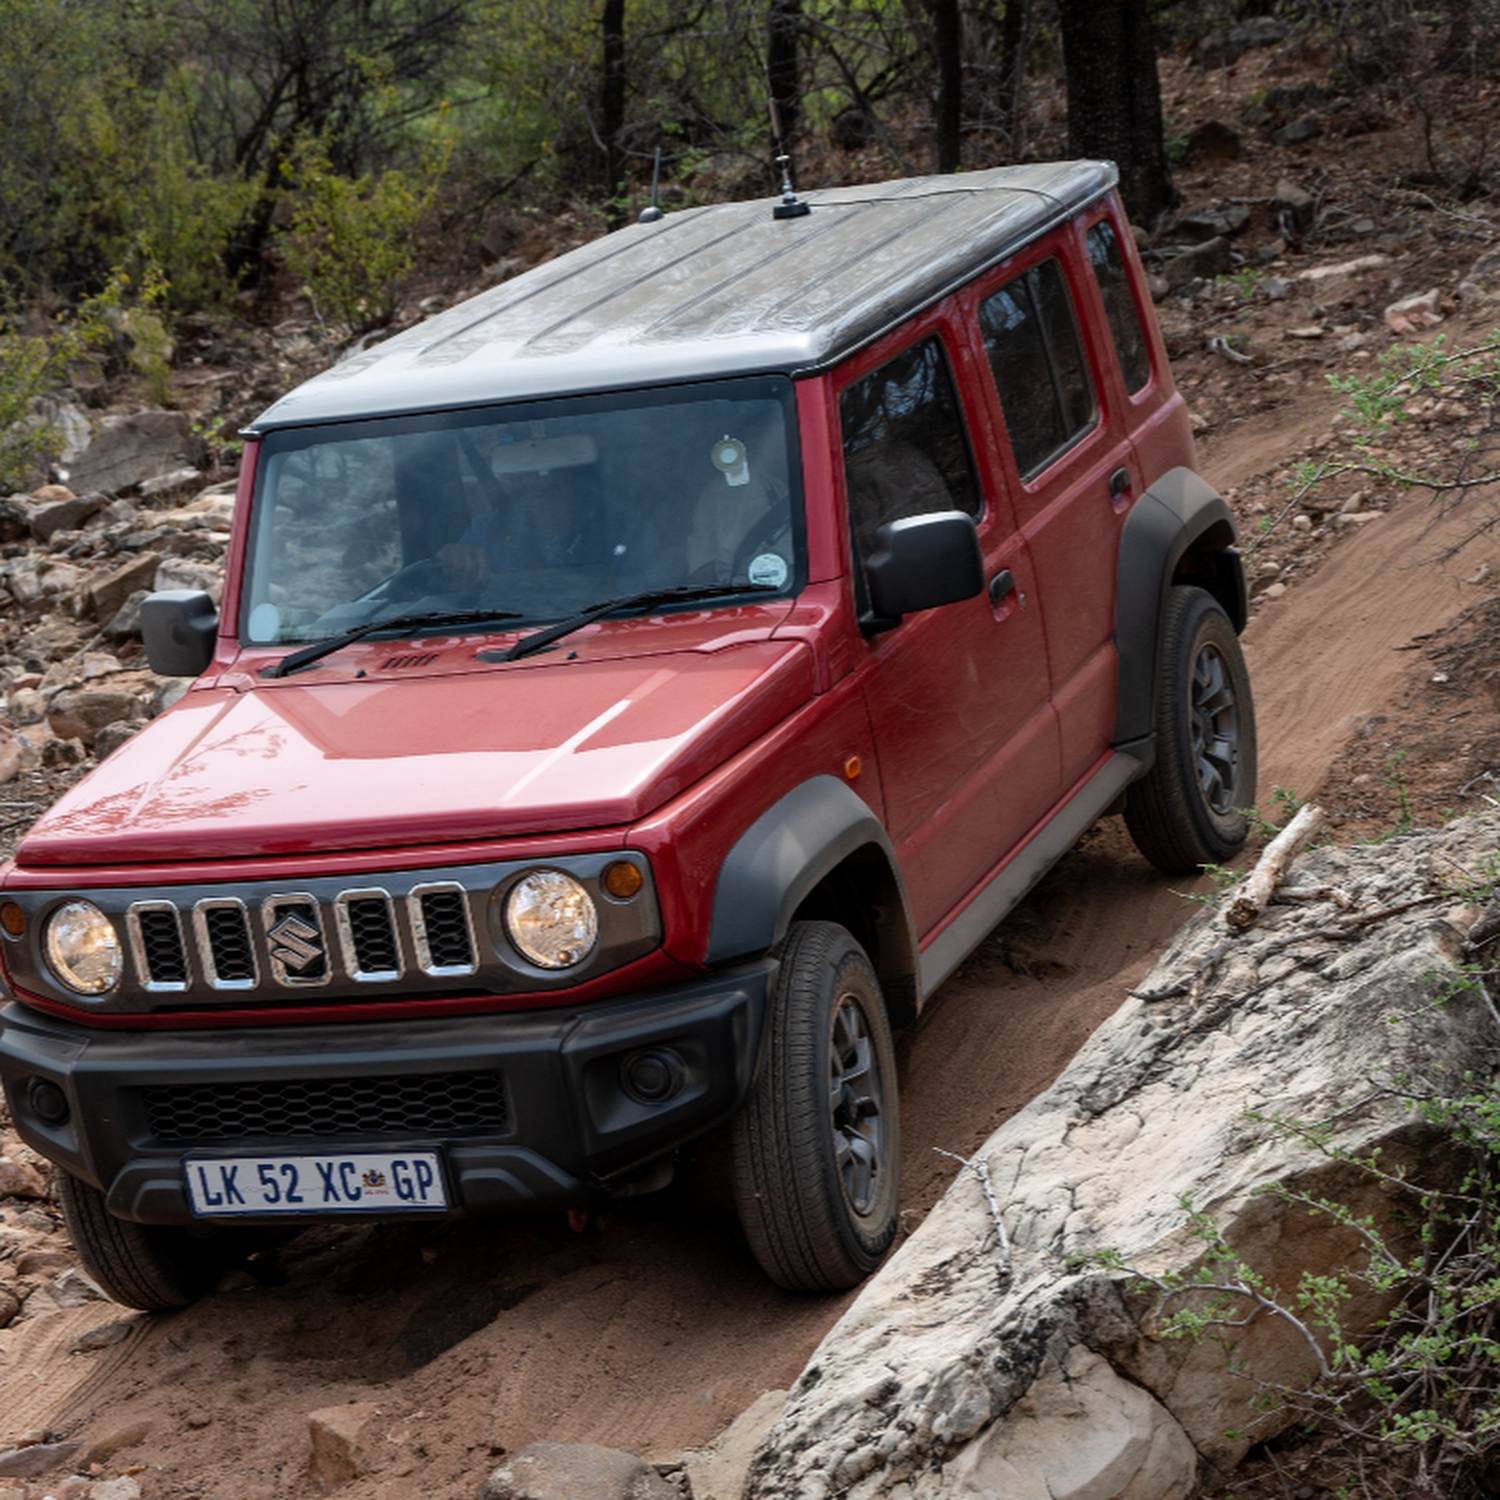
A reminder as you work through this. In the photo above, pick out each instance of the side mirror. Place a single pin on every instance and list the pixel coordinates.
(921, 562)
(178, 627)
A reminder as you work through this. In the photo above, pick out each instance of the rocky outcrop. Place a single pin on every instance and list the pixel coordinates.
(980, 1364)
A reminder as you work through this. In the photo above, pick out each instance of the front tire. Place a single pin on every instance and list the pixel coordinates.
(817, 1147)
(155, 1267)
(1188, 810)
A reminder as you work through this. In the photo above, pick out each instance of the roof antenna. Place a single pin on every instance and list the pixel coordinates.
(791, 206)
(653, 210)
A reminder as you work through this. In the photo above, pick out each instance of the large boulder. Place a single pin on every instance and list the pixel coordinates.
(128, 450)
(1034, 1369)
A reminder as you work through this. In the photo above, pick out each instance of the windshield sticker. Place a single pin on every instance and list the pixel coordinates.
(265, 623)
(768, 570)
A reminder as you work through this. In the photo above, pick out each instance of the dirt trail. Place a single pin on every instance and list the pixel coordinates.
(653, 1329)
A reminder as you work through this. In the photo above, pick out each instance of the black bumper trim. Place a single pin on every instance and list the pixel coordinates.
(575, 1131)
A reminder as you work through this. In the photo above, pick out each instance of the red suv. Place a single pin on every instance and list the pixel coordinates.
(635, 690)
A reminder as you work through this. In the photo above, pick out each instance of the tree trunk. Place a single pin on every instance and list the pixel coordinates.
(1013, 39)
(612, 112)
(783, 35)
(1114, 99)
(947, 43)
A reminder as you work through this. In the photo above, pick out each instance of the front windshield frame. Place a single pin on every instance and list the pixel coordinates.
(636, 467)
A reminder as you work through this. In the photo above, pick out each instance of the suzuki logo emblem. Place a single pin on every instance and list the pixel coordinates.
(295, 944)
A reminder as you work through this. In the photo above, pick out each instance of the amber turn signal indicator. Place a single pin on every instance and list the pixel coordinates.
(623, 880)
(13, 920)
(851, 767)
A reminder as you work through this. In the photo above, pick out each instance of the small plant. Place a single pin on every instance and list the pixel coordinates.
(1222, 877)
(1396, 780)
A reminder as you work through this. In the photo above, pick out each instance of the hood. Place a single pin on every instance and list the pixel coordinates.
(287, 768)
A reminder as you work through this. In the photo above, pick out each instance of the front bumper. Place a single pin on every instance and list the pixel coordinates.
(529, 1110)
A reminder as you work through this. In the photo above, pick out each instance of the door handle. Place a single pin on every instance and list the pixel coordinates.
(1001, 584)
(1119, 482)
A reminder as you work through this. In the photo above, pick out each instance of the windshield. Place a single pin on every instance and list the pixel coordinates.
(538, 511)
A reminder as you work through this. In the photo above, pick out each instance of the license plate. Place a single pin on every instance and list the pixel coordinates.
(364, 1182)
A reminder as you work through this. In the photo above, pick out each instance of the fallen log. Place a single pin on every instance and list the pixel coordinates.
(1269, 870)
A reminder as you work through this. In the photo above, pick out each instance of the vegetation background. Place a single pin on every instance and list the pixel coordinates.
(189, 152)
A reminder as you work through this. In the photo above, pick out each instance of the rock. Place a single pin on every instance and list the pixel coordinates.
(73, 1289)
(12, 756)
(1212, 140)
(575, 1471)
(112, 736)
(1413, 314)
(167, 691)
(102, 1449)
(123, 1488)
(44, 1262)
(80, 713)
(63, 515)
(181, 573)
(170, 484)
(1209, 259)
(40, 1458)
(15, 518)
(126, 621)
(342, 1438)
(954, 1376)
(1293, 206)
(1210, 223)
(102, 1336)
(18, 1180)
(718, 1471)
(10, 1305)
(105, 594)
(1299, 132)
(1222, 49)
(129, 449)
(59, 753)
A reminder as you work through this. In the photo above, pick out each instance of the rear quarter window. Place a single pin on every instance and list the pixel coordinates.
(1124, 318)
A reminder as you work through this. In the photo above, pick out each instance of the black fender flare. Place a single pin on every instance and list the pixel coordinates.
(1179, 514)
(781, 859)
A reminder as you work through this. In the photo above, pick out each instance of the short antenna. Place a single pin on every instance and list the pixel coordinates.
(791, 206)
(653, 210)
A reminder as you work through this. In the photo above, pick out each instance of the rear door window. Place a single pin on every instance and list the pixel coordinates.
(1046, 391)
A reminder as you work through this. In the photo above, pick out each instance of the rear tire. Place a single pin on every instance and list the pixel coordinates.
(155, 1267)
(1188, 810)
(817, 1147)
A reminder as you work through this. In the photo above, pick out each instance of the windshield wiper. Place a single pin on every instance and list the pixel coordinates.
(319, 649)
(643, 600)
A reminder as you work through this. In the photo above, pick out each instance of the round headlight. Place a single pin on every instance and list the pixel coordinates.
(552, 919)
(82, 948)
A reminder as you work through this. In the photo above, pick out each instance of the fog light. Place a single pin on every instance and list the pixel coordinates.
(653, 1076)
(48, 1102)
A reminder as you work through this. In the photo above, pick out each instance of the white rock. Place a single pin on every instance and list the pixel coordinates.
(1049, 1381)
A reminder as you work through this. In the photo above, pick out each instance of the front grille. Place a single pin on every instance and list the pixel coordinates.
(444, 924)
(224, 935)
(443, 1104)
(160, 952)
(369, 931)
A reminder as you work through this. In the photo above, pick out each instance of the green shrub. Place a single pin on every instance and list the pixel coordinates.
(351, 240)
